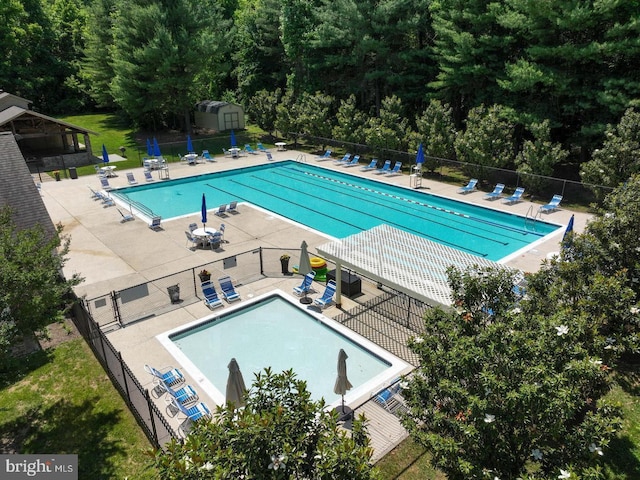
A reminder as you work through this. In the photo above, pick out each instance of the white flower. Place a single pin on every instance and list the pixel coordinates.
(537, 454)
(564, 474)
(488, 418)
(418, 340)
(635, 310)
(496, 478)
(207, 466)
(277, 461)
(562, 330)
(595, 361)
(593, 448)
(516, 310)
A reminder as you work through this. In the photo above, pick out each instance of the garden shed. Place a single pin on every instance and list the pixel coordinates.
(220, 116)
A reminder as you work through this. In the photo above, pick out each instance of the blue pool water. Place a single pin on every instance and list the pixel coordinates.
(339, 204)
(275, 332)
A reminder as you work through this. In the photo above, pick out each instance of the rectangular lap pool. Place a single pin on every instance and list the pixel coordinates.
(339, 204)
(272, 330)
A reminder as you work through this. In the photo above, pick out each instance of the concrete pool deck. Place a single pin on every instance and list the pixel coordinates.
(111, 255)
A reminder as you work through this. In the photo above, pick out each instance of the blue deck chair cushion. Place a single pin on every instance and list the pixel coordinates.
(305, 286)
(228, 292)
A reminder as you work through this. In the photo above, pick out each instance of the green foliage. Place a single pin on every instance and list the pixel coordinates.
(619, 157)
(350, 122)
(32, 290)
(263, 109)
(315, 114)
(280, 433)
(390, 130)
(487, 140)
(437, 133)
(504, 393)
(538, 157)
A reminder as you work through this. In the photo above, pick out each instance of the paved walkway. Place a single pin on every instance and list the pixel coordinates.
(111, 255)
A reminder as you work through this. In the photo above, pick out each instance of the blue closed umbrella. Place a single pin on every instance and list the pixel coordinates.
(189, 145)
(204, 211)
(149, 148)
(565, 240)
(105, 155)
(420, 156)
(233, 139)
(156, 148)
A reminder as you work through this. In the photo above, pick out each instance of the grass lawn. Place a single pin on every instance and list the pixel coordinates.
(61, 401)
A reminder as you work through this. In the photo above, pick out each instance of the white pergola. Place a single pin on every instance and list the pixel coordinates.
(406, 262)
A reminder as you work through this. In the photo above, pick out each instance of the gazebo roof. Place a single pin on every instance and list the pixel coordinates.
(409, 263)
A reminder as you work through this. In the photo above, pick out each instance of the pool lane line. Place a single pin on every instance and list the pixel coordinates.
(429, 217)
(417, 232)
(453, 212)
(448, 226)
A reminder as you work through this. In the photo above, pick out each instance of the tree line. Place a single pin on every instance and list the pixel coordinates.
(557, 72)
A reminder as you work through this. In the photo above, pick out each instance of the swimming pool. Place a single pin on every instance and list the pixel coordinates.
(339, 204)
(272, 330)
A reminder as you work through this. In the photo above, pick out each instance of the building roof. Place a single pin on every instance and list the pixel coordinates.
(18, 190)
(4, 95)
(406, 262)
(13, 113)
(213, 106)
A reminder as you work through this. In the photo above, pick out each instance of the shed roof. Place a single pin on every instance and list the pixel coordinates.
(213, 106)
(409, 263)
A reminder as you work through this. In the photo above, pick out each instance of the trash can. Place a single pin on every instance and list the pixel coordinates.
(174, 293)
(73, 173)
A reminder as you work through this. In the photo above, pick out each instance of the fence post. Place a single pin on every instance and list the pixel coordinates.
(124, 376)
(116, 310)
(152, 418)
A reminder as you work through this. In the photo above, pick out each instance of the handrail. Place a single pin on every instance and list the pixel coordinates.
(301, 158)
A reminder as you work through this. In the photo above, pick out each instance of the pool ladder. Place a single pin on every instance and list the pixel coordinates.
(532, 217)
(301, 158)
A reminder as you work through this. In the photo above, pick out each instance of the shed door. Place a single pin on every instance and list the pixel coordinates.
(231, 120)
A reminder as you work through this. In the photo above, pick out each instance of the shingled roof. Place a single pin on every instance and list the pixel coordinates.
(18, 190)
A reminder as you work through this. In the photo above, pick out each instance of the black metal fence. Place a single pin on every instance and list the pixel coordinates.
(538, 187)
(117, 309)
(149, 417)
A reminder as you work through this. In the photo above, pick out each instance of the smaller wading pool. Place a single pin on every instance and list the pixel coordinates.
(273, 330)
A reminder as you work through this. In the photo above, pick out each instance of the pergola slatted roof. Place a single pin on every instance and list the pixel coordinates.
(409, 263)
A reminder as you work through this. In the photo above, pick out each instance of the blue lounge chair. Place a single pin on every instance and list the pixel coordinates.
(125, 218)
(261, 147)
(107, 201)
(207, 156)
(326, 156)
(516, 197)
(104, 183)
(228, 292)
(344, 159)
(497, 192)
(131, 179)
(170, 376)
(327, 296)
(269, 156)
(248, 149)
(233, 207)
(155, 223)
(147, 176)
(469, 187)
(198, 411)
(552, 206)
(355, 161)
(222, 210)
(184, 395)
(305, 286)
(385, 168)
(397, 170)
(372, 166)
(211, 298)
(95, 195)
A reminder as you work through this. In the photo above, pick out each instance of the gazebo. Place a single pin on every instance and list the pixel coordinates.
(408, 263)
